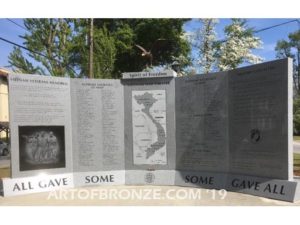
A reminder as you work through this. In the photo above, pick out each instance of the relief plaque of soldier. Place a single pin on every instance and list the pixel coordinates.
(41, 147)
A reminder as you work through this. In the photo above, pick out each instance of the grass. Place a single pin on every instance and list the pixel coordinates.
(296, 138)
(297, 164)
(4, 172)
(4, 139)
(296, 159)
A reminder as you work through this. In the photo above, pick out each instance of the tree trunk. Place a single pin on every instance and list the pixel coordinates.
(91, 47)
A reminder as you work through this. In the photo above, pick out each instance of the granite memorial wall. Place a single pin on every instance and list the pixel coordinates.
(230, 130)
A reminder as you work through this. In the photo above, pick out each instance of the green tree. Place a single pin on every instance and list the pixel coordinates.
(104, 51)
(64, 42)
(21, 64)
(51, 38)
(291, 48)
(296, 112)
(129, 32)
(238, 45)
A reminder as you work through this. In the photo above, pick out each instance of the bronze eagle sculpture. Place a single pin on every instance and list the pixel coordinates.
(157, 47)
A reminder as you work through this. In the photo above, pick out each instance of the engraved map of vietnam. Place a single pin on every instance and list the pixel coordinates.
(149, 127)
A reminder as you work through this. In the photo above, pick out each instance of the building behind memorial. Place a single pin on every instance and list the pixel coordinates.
(4, 115)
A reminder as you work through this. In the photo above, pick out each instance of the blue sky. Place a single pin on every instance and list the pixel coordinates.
(269, 38)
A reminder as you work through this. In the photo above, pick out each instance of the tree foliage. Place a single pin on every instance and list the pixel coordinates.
(291, 48)
(238, 45)
(235, 49)
(21, 64)
(104, 52)
(144, 32)
(64, 42)
(296, 112)
(51, 38)
(204, 41)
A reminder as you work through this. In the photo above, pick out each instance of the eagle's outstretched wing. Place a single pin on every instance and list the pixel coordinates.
(141, 48)
(158, 47)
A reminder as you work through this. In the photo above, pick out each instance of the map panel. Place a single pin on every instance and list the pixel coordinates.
(149, 127)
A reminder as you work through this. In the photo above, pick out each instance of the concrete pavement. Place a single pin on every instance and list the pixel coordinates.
(168, 196)
(296, 146)
(4, 161)
(153, 196)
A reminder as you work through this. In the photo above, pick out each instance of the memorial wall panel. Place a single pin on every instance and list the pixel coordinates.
(201, 123)
(260, 115)
(150, 144)
(40, 125)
